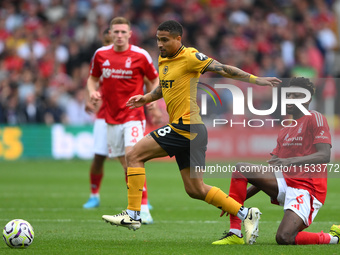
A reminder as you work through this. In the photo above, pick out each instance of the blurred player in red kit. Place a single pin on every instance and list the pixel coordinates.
(121, 67)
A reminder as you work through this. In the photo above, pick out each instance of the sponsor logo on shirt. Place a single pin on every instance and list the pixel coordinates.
(166, 83)
(321, 136)
(117, 73)
(292, 141)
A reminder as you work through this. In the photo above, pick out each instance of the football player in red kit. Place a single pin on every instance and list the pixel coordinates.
(122, 68)
(302, 151)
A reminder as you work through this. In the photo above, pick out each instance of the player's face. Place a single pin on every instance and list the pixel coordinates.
(292, 108)
(167, 44)
(121, 34)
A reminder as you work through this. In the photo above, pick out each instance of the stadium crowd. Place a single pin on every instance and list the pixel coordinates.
(46, 46)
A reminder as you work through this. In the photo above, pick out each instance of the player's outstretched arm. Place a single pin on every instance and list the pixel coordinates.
(140, 100)
(321, 156)
(238, 74)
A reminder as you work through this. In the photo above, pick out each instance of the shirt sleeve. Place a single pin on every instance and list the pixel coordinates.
(95, 69)
(150, 70)
(320, 130)
(198, 62)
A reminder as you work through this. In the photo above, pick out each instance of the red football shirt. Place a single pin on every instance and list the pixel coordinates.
(122, 74)
(300, 141)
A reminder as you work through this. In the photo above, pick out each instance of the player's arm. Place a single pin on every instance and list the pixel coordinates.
(238, 74)
(151, 84)
(253, 190)
(140, 100)
(92, 85)
(321, 156)
(152, 109)
(89, 107)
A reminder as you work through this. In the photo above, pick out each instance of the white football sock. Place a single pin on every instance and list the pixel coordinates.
(133, 214)
(242, 213)
(334, 239)
(236, 232)
(144, 208)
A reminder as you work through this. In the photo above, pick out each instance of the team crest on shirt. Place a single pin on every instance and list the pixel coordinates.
(128, 62)
(300, 128)
(201, 56)
(165, 69)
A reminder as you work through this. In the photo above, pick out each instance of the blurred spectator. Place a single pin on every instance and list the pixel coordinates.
(14, 18)
(75, 110)
(54, 113)
(31, 48)
(13, 113)
(34, 109)
(26, 85)
(55, 39)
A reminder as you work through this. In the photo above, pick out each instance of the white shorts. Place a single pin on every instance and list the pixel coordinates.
(300, 201)
(100, 137)
(123, 135)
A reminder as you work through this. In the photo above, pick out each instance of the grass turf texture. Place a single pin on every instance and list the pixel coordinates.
(50, 195)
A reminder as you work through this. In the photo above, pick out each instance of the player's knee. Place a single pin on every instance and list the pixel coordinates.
(239, 165)
(284, 238)
(238, 173)
(131, 156)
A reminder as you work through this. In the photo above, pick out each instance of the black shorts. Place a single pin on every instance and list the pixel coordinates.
(188, 143)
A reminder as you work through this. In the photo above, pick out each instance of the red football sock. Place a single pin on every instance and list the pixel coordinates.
(95, 181)
(238, 191)
(303, 238)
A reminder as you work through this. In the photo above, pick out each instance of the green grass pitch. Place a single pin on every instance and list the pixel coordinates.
(50, 194)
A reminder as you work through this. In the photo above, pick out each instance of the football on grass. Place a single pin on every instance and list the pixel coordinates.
(18, 234)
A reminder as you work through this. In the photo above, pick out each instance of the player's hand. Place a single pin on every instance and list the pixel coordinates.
(268, 81)
(95, 97)
(222, 213)
(136, 101)
(156, 114)
(279, 162)
(90, 108)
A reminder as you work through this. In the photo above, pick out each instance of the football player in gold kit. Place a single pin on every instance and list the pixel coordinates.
(185, 137)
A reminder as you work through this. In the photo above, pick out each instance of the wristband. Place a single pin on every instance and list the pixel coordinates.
(252, 79)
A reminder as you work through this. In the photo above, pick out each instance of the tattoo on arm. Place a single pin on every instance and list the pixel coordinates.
(228, 71)
(156, 93)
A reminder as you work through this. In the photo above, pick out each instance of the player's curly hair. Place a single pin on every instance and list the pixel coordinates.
(172, 26)
(303, 83)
